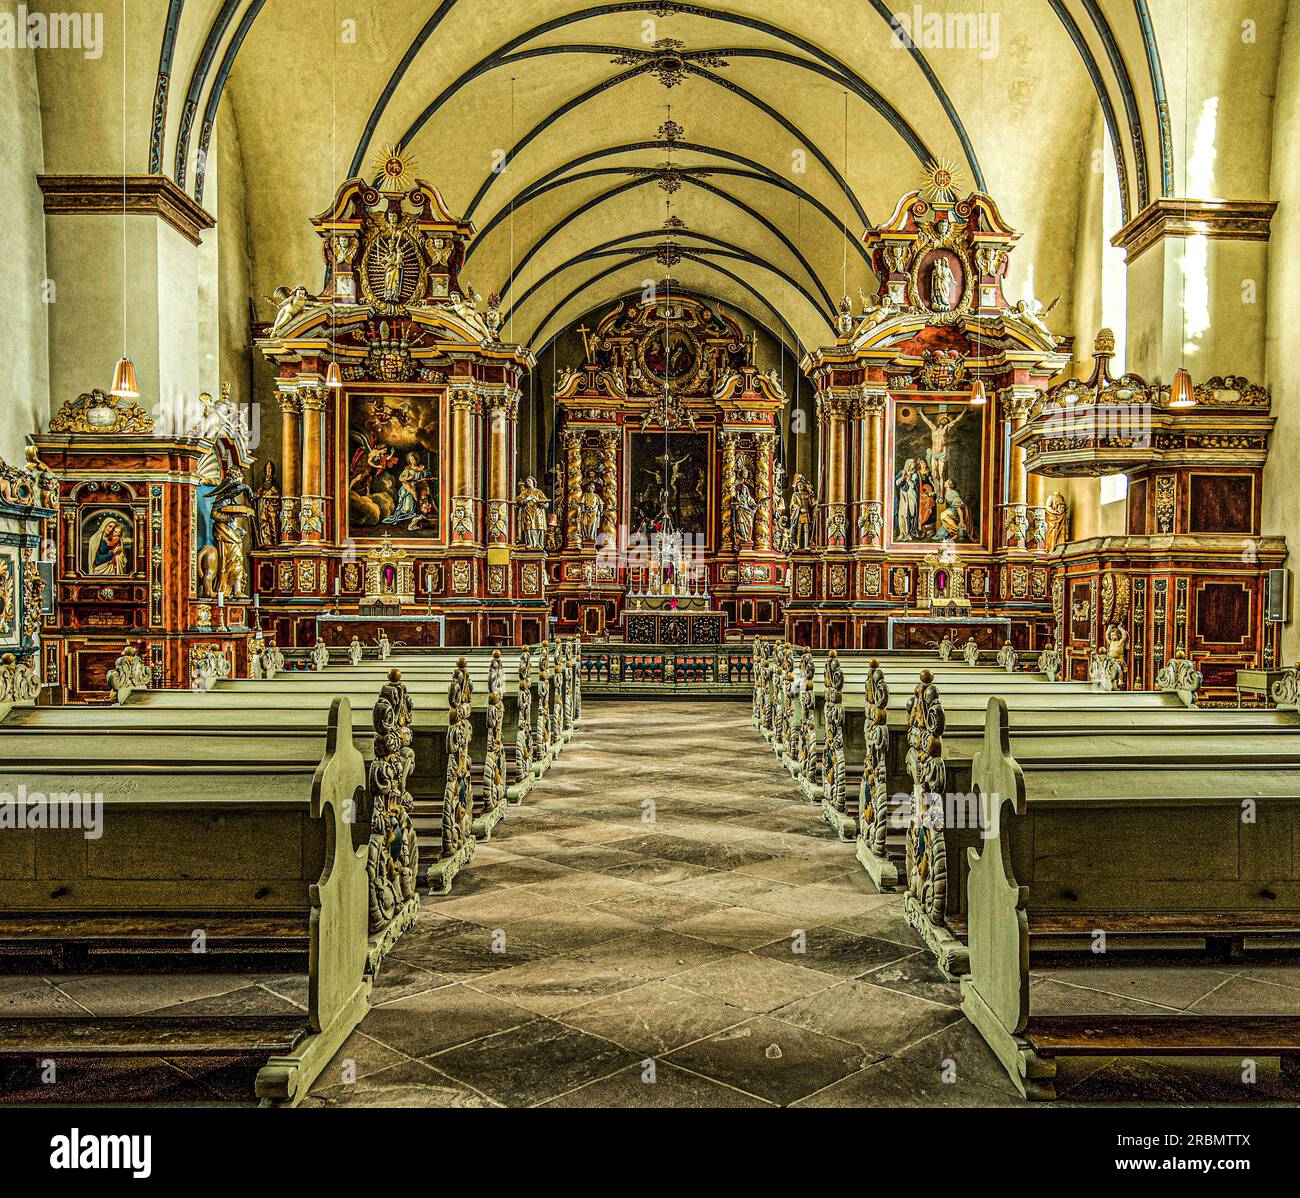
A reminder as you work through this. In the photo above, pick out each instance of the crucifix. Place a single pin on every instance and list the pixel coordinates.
(585, 334)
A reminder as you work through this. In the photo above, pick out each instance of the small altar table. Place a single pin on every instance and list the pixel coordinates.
(673, 627)
(925, 632)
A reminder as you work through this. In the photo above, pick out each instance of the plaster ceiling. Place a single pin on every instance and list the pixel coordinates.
(796, 130)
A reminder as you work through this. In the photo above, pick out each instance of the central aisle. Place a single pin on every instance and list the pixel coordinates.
(663, 894)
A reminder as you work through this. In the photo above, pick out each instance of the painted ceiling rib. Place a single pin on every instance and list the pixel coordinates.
(551, 180)
(522, 264)
(595, 200)
(1131, 110)
(596, 278)
(198, 78)
(604, 86)
(612, 246)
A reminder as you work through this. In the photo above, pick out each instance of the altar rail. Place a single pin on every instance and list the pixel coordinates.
(667, 670)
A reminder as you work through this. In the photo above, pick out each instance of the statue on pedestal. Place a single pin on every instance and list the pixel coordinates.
(531, 504)
(1058, 521)
(743, 509)
(268, 509)
(802, 504)
(590, 510)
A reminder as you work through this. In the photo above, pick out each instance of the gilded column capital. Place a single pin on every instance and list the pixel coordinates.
(1016, 402)
(313, 399)
(834, 405)
(503, 402)
(290, 402)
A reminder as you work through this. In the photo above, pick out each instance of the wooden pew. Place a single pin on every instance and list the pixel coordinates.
(264, 855)
(1072, 853)
(884, 740)
(942, 812)
(441, 779)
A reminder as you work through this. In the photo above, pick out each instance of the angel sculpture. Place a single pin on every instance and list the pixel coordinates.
(1030, 313)
(289, 306)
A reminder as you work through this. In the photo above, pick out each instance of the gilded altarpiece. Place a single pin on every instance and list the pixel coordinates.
(399, 409)
(668, 429)
(154, 525)
(924, 520)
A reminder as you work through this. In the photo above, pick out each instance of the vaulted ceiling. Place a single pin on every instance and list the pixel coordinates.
(793, 126)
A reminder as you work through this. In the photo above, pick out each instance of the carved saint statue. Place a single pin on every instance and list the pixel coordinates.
(233, 506)
(394, 264)
(1058, 521)
(743, 509)
(942, 281)
(530, 505)
(268, 509)
(802, 502)
(590, 510)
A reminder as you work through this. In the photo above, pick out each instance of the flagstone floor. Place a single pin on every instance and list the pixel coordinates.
(666, 922)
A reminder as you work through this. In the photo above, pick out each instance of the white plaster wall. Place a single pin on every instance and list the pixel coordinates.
(24, 405)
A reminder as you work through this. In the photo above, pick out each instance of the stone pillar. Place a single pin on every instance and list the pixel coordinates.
(572, 440)
(765, 448)
(464, 462)
(290, 464)
(503, 411)
(1189, 262)
(311, 507)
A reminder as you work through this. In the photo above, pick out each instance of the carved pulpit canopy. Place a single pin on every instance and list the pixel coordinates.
(1105, 425)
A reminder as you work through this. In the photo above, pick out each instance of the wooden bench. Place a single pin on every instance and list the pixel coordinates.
(940, 815)
(441, 778)
(266, 858)
(1055, 856)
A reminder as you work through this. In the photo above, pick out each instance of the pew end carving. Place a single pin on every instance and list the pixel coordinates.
(339, 977)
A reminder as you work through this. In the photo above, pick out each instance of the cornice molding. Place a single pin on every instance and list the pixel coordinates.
(1218, 220)
(145, 195)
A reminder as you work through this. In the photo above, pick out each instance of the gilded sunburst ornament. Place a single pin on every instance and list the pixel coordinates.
(394, 170)
(942, 180)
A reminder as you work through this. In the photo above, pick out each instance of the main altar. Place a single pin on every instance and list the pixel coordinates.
(670, 473)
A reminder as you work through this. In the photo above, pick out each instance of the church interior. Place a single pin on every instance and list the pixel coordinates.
(599, 555)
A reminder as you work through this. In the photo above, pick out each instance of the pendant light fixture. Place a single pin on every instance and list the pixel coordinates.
(124, 380)
(333, 375)
(1181, 394)
(978, 396)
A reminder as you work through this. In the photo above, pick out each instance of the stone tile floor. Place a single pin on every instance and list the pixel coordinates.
(666, 922)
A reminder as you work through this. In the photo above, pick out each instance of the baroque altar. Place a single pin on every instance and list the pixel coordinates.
(395, 489)
(917, 404)
(670, 464)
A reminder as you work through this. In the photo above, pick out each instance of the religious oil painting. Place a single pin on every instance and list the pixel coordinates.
(107, 542)
(394, 458)
(938, 473)
(669, 475)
